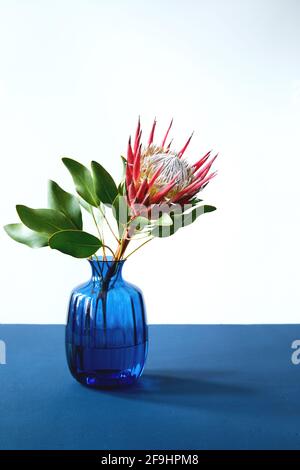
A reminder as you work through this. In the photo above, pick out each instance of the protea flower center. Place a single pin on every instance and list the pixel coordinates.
(171, 167)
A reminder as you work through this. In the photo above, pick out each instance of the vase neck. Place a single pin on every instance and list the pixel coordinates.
(106, 270)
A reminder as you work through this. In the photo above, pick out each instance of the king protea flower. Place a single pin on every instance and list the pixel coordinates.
(157, 174)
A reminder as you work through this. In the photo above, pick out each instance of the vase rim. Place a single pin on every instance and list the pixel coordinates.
(109, 259)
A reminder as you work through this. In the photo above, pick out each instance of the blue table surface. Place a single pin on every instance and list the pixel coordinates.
(204, 387)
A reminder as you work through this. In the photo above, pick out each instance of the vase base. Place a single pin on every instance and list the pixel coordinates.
(107, 379)
(106, 367)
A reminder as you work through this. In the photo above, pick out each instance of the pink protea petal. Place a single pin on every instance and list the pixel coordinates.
(151, 136)
(204, 171)
(169, 145)
(151, 183)
(137, 164)
(146, 199)
(155, 175)
(192, 188)
(201, 162)
(143, 189)
(137, 143)
(182, 194)
(161, 194)
(185, 146)
(137, 132)
(167, 133)
(200, 184)
(131, 193)
(129, 153)
(185, 200)
(128, 176)
(208, 178)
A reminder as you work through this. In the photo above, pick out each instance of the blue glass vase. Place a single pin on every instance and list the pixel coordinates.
(106, 332)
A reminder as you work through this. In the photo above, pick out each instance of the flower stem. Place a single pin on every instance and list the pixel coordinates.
(111, 251)
(140, 246)
(125, 240)
(101, 236)
(108, 224)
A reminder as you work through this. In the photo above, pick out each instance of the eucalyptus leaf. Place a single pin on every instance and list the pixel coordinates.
(195, 201)
(83, 181)
(46, 221)
(165, 220)
(122, 188)
(85, 205)
(124, 162)
(121, 212)
(181, 220)
(140, 222)
(100, 214)
(122, 185)
(64, 202)
(105, 187)
(97, 214)
(75, 243)
(22, 234)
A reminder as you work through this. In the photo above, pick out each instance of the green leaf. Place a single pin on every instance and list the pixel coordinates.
(75, 243)
(165, 220)
(22, 234)
(83, 181)
(105, 186)
(121, 212)
(85, 205)
(188, 218)
(122, 188)
(195, 201)
(47, 221)
(124, 162)
(140, 222)
(64, 202)
(98, 214)
(181, 220)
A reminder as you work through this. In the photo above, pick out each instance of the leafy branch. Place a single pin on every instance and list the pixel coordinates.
(60, 225)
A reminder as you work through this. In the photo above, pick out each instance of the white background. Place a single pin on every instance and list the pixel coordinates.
(74, 77)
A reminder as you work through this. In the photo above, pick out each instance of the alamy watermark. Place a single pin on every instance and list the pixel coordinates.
(295, 358)
(156, 220)
(2, 352)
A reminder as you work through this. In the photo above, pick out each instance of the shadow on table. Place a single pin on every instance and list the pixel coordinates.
(190, 388)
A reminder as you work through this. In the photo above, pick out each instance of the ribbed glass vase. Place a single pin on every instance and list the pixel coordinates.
(106, 332)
